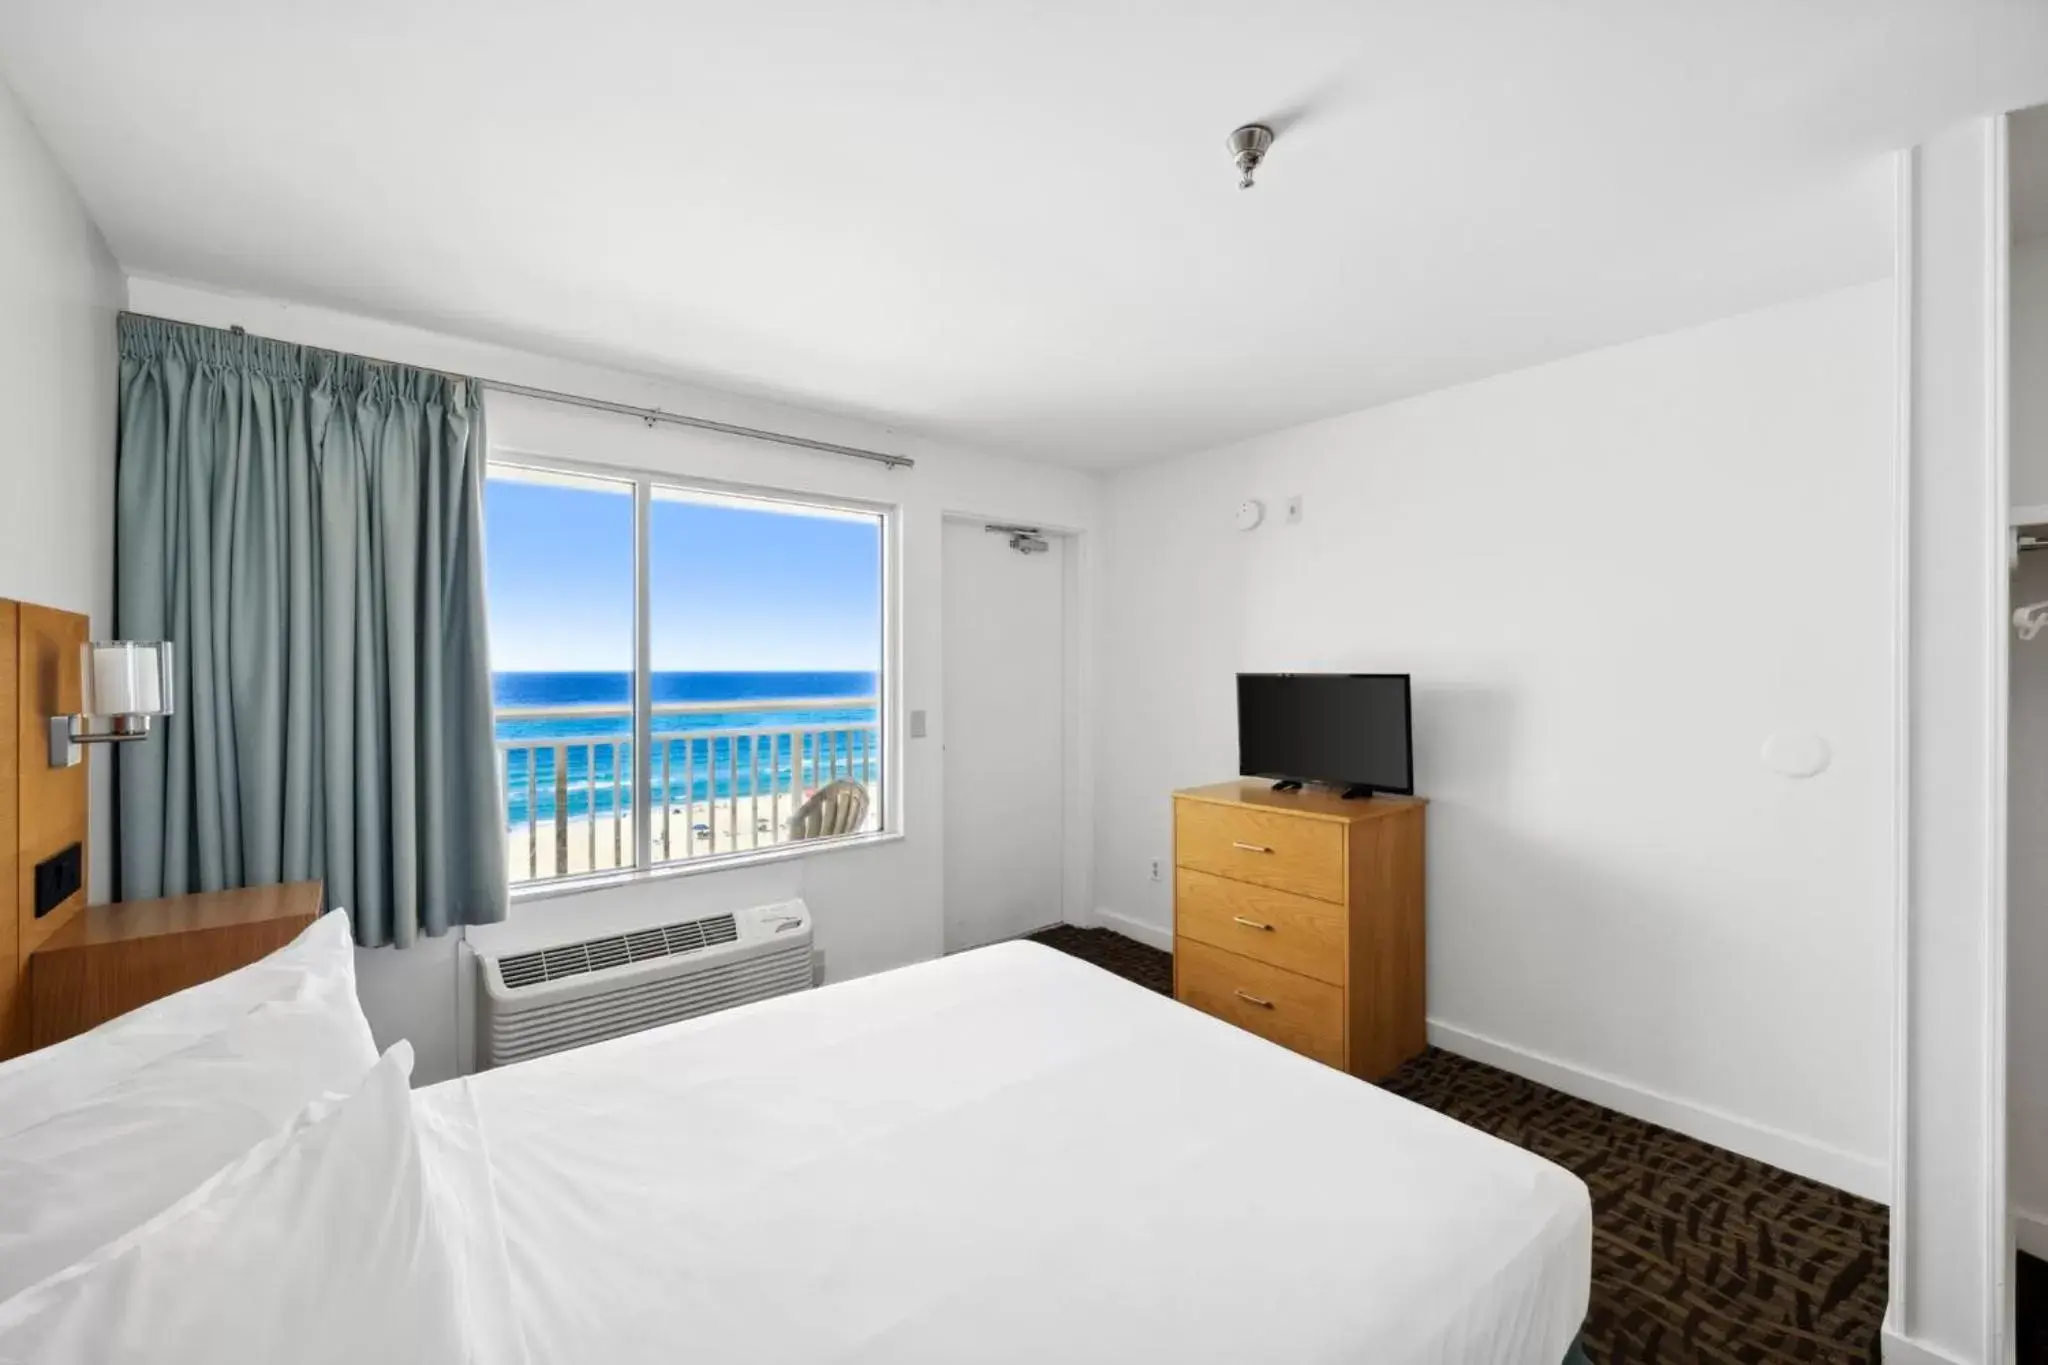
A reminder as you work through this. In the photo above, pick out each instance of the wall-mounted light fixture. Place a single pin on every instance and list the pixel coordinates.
(122, 686)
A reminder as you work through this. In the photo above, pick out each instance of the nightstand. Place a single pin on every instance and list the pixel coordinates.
(109, 959)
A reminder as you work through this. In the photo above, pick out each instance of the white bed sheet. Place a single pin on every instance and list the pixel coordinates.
(1003, 1156)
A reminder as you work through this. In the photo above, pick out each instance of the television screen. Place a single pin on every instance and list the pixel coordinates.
(1349, 729)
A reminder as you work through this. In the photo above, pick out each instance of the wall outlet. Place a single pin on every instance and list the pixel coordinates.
(1155, 869)
(1293, 508)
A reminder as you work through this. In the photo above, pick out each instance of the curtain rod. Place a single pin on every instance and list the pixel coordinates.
(651, 416)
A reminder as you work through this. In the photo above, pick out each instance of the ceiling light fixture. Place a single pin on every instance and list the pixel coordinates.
(1247, 147)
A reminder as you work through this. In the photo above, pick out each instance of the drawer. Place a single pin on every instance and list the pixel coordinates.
(1266, 848)
(1283, 1007)
(1274, 927)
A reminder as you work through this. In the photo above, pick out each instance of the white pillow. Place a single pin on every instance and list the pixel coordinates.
(116, 1159)
(49, 1080)
(319, 1246)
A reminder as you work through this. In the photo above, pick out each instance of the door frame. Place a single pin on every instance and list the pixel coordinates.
(1077, 738)
(1947, 873)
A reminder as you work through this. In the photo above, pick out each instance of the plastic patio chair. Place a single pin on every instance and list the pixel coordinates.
(834, 809)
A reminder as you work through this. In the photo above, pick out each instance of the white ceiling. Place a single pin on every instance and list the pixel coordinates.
(1013, 224)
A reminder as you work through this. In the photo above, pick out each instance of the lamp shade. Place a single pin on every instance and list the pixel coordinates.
(125, 678)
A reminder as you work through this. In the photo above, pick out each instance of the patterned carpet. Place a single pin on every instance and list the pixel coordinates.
(2031, 1292)
(1698, 1254)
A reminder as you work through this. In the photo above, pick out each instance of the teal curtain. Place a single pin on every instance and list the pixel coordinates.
(307, 528)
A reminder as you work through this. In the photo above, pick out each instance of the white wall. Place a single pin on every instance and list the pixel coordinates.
(2029, 323)
(1611, 577)
(875, 907)
(59, 292)
(2027, 896)
(2027, 885)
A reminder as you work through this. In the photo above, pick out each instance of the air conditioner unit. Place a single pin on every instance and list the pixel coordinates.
(545, 999)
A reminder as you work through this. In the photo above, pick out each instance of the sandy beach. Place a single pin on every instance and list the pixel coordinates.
(694, 831)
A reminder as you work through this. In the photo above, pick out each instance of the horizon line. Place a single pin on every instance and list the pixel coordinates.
(610, 671)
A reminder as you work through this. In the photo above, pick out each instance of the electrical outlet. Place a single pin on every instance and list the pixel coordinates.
(1294, 509)
(1155, 869)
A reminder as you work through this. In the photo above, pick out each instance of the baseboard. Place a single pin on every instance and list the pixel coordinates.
(1802, 1156)
(1902, 1350)
(2030, 1232)
(1151, 935)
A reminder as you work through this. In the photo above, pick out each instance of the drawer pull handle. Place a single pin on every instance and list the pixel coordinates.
(1262, 1004)
(1249, 848)
(1252, 923)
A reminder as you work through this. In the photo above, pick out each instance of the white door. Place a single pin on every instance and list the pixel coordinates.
(1004, 645)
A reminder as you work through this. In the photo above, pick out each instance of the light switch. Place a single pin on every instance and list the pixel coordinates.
(917, 725)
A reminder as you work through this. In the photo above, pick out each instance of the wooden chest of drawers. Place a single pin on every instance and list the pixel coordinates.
(1298, 916)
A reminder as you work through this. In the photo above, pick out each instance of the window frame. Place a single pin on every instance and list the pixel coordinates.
(643, 483)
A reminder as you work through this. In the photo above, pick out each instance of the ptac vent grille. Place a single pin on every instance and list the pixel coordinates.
(521, 970)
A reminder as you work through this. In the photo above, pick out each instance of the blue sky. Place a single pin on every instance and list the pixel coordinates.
(732, 588)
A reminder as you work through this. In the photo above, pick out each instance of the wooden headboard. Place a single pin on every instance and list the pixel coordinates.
(42, 809)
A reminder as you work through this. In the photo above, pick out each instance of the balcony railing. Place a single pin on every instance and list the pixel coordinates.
(724, 777)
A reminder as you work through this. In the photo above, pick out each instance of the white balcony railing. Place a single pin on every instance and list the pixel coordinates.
(723, 777)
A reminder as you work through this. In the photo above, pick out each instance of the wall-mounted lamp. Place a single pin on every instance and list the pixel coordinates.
(122, 686)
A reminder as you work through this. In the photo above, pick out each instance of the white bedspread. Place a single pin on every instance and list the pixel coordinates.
(1003, 1156)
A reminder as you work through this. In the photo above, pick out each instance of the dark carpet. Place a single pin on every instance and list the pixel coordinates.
(1698, 1254)
(2031, 1296)
(1127, 957)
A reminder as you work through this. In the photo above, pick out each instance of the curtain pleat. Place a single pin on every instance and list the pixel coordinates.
(307, 528)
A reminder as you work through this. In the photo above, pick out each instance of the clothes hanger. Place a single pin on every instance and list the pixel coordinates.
(2031, 620)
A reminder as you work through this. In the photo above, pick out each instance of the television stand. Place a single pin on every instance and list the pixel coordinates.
(1356, 794)
(1286, 784)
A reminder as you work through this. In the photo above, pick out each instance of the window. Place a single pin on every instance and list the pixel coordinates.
(754, 698)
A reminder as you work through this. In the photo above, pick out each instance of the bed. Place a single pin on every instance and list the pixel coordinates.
(1005, 1155)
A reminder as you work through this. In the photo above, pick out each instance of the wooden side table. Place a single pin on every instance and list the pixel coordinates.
(110, 959)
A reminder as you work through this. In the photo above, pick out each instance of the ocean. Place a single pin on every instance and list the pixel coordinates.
(699, 746)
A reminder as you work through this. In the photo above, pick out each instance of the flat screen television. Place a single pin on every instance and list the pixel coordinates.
(1345, 729)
